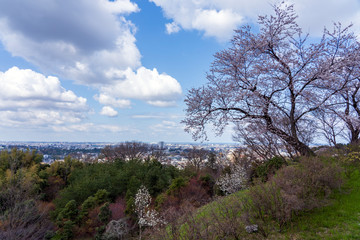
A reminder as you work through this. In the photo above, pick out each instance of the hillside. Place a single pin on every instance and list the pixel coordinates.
(337, 217)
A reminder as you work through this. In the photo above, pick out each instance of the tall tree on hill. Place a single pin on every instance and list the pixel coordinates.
(274, 79)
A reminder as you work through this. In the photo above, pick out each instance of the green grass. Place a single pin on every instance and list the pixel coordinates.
(339, 220)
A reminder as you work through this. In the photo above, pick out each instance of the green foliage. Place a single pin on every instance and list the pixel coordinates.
(176, 184)
(99, 233)
(132, 187)
(160, 199)
(18, 159)
(105, 213)
(101, 196)
(268, 168)
(130, 206)
(49, 235)
(353, 157)
(86, 206)
(69, 212)
(117, 179)
(68, 230)
(63, 169)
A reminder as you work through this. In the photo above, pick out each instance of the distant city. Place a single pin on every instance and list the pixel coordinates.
(91, 151)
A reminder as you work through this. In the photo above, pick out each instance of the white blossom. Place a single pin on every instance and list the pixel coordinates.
(233, 182)
(146, 215)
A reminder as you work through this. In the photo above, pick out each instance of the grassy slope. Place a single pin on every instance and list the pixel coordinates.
(340, 220)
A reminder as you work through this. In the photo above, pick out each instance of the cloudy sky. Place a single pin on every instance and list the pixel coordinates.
(99, 70)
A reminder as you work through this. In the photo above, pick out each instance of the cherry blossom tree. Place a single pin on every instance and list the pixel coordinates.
(275, 78)
(349, 99)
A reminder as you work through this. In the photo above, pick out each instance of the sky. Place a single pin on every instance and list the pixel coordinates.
(113, 71)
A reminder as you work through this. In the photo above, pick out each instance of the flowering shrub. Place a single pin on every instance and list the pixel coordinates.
(146, 215)
(234, 181)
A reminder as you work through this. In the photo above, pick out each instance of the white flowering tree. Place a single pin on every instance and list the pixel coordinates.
(146, 216)
(234, 181)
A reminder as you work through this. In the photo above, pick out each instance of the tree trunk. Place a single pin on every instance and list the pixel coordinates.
(354, 136)
(294, 142)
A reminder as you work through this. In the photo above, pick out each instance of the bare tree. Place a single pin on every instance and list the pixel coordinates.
(274, 77)
(126, 151)
(196, 157)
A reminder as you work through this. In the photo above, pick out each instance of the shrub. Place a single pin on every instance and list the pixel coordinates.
(266, 169)
(105, 213)
(101, 196)
(294, 189)
(234, 181)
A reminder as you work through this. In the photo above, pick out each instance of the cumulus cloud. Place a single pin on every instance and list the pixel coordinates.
(30, 98)
(88, 43)
(114, 102)
(144, 84)
(73, 39)
(218, 18)
(315, 15)
(108, 111)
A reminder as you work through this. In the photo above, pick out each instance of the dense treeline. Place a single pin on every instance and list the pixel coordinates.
(70, 199)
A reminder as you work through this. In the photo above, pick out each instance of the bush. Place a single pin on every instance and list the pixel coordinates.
(105, 213)
(293, 189)
(266, 169)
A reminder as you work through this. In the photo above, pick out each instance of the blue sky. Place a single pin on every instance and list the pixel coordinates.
(99, 70)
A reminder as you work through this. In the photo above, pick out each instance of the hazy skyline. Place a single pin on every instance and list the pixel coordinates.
(119, 70)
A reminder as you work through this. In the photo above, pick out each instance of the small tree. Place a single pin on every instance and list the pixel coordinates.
(196, 157)
(234, 181)
(105, 213)
(146, 215)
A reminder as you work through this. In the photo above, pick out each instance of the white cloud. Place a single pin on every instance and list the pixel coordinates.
(144, 84)
(315, 15)
(162, 103)
(28, 98)
(72, 39)
(156, 116)
(108, 111)
(167, 126)
(114, 102)
(219, 23)
(214, 18)
(90, 43)
(172, 28)
(218, 18)
(93, 128)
